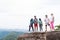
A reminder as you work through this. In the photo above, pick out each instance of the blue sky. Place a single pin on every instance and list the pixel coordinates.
(15, 14)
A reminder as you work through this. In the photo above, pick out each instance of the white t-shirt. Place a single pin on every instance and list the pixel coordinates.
(46, 20)
(52, 18)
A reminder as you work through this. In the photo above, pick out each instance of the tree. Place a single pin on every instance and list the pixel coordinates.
(57, 27)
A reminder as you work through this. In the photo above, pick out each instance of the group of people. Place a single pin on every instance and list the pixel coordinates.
(48, 22)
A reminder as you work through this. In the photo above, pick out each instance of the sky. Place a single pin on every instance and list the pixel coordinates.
(16, 14)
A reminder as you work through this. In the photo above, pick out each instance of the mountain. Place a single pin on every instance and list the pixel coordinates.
(12, 36)
(13, 33)
(3, 33)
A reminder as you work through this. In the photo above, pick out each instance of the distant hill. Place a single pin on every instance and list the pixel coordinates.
(10, 34)
(3, 33)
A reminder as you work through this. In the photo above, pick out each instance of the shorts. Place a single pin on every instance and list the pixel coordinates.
(47, 24)
(35, 25)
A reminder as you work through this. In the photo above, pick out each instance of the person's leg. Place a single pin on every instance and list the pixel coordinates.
(41, 28)
(52, 24)
(32, 28)
(46, 27)
(36, 27)
(29, 27)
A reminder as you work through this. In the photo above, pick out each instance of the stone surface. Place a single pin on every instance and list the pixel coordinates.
(54, 35)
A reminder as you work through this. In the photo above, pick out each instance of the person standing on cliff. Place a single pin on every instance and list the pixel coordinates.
(46, 22)
(40, 24)
(31, 24)
(35, 24)
(52, 22)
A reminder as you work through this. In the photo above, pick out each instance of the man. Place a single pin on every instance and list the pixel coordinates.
(31, 24)
(35, 23)
(46, 22)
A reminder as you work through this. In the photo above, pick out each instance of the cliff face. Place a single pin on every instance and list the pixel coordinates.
(54, 35)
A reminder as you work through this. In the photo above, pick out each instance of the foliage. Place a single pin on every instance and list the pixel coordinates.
(57, 27)
(12, 36)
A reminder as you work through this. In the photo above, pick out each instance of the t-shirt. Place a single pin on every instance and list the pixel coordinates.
(46, 20)
(40, 22)
(31, 21)
(35, 21)
(52, 18)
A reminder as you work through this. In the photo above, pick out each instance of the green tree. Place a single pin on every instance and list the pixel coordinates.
(57, 27)
(11, 36)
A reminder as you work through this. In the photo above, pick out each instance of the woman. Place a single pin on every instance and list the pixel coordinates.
(40, 24)
(52, 22)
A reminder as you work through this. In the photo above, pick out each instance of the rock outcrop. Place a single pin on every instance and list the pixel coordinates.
(54, 35)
